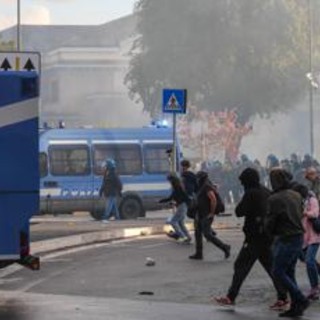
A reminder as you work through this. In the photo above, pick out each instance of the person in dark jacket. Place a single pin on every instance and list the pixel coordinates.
(284, 222)
(189, 179)
(111, 189)
(257, 245)
(181, 200)
(207, 202)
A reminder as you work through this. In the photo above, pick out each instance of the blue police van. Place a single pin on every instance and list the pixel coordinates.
(71, 168)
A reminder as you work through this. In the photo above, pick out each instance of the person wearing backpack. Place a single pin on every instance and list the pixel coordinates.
(257, 245)
(190, 183)
(189, 179)
(206, 210)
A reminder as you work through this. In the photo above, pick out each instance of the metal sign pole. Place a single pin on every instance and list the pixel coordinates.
(311, 111)
(18, 24)
(174, 151)
(174, 101)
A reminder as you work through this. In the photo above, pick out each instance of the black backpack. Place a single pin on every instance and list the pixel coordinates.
(220, 207)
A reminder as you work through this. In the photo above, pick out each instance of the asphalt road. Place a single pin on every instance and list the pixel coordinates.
(115, 275)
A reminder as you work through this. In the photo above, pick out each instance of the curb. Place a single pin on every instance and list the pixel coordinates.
(67, 242)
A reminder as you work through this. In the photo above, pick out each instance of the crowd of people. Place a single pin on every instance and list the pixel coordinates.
(278, 226)
(280, 207)
(226, 174)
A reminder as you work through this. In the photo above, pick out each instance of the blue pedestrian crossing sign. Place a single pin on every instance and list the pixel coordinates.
(174, 101)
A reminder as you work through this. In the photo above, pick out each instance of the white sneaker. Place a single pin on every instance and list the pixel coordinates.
(105, 221)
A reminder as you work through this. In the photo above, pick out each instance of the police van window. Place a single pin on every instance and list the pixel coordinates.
(71, 160)
(156, 158)
(43, 164)
(127, 157)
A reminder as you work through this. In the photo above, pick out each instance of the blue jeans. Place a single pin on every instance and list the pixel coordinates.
(311, 264)
(111, 207)
(178, 221)
(286, 253)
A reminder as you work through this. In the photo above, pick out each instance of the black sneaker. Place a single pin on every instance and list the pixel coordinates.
(291, 313)
(302, 306)
(296, 310)
(196, 256)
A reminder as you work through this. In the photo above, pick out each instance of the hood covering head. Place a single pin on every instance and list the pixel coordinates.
(250, 178)
(280, 179)
(302, 190)
(202, 177)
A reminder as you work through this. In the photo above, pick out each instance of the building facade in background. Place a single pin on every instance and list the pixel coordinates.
(83, 71)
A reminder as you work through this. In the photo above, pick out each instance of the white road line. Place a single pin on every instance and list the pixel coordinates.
(154, 245)
(31, 285)
(11, 280)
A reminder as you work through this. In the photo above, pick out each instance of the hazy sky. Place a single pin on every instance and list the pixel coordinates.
(63, 11)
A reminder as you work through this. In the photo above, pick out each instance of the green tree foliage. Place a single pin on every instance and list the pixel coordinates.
(244, 55)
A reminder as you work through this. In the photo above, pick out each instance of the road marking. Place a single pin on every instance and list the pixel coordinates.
(59, 260)
(11, 280)
(31, 285)
(154, 245)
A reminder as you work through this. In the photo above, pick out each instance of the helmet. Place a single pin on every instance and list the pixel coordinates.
(109, 164)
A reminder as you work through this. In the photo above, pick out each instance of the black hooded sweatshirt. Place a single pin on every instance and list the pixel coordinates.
(253, 205)
(190, 183)
(285, 207)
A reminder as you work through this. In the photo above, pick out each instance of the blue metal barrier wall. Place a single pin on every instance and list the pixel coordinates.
(19, 170)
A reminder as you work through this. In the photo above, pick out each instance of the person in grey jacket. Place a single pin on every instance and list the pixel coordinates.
(284, 223)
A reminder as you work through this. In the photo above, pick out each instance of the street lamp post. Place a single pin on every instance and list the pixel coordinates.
(18, 24)
(311, 88)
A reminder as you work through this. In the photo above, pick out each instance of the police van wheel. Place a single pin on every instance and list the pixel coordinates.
(131, 208)
(96, 215)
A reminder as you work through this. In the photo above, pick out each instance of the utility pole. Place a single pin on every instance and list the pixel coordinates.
(311, 111)
(18, 25)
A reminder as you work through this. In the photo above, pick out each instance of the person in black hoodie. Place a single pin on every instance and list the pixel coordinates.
(206, 210)
(189, 179)
(284, 222)
(257, 245)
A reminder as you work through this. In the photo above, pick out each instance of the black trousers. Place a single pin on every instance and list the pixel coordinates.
(251, 252)
(203, 227)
